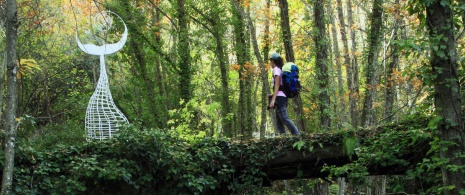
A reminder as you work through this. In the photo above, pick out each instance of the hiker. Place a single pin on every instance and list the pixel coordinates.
(278, 98)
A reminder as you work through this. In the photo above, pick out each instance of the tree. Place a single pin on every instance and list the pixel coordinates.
(241, 48)
(321, 45)
(251, 26)
(340, 97)
(368, 115)
(215, 24)
(352, 72)
(263, 73)
(393, 65)
(447, 97)
(287, 43)
(183, 51)
(2, 84)
(12, 96)
(286, 30)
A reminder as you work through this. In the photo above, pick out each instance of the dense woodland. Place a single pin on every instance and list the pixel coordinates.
(194, 76)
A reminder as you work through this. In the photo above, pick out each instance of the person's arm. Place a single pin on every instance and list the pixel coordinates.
(277, 83)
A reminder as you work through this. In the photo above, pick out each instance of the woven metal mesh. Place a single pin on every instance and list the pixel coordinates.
(103, 118)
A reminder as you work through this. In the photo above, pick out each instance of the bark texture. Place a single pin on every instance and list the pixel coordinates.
(241, 47)
(354, 92)
(393, 65)
(368, 114)
(447, 98)
(12, 94)
(249, 76)
(183, 52)
(264, 73)
(341, 108)
(322, 64)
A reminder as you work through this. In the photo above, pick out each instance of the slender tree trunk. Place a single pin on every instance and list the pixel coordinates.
(322, 64)
(393, 65)
(2, 85)
(218, 33)
(345, 51)
(159, 79)
(354, 92)
(341, 181)
(245, 79)
(225, 104)
(286, 30)
(264, 72)
(257, 55)
(183, 52)
(12, 94)
(287, 42)
(324, 103)
(368, 114)
(447, 97)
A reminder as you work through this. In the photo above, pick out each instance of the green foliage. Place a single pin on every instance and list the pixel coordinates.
(195, 115)
(386, 150)
(148, 160)
(348, 146)
(139, 161)
(48, 136)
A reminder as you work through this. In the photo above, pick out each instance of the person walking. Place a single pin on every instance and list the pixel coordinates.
(278, 98)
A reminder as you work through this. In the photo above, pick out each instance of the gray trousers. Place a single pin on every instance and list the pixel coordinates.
(282, 119)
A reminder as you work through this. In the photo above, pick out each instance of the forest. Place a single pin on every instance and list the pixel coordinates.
(379, 112)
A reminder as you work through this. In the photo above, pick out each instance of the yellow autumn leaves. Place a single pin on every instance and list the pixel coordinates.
(26, 66)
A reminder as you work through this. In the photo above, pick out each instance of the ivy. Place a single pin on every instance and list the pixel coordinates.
(148, 160)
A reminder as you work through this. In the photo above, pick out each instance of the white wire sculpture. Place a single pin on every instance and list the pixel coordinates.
(103, 118)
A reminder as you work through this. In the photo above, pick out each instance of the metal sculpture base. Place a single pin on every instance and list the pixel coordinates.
(103, 118)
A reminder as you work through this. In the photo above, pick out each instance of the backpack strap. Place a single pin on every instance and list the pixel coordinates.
(280, 86)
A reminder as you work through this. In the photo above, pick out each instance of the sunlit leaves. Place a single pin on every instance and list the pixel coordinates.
(27, 66)
(248, 69)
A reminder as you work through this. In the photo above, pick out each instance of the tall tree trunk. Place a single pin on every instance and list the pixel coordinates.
(287, 41)
(12, 93)
(322, 64)
(447, 97)
(324, 100)
(345, 47)
(245, 79)
(225, 104)
(159, 74)
(354, 92)
(368, 114)
(286, 30)
(393, 64)
(341, 181)
(259, 59)
(264, 73)
(218, 33)
(2, 85)
(183, 52)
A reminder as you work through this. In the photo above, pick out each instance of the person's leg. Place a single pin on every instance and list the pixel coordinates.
(282, 110)
(279, 121)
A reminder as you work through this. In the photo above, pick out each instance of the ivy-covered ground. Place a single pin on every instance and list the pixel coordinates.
(157, 161)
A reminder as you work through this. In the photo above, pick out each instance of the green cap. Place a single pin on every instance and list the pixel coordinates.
(274, 56)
